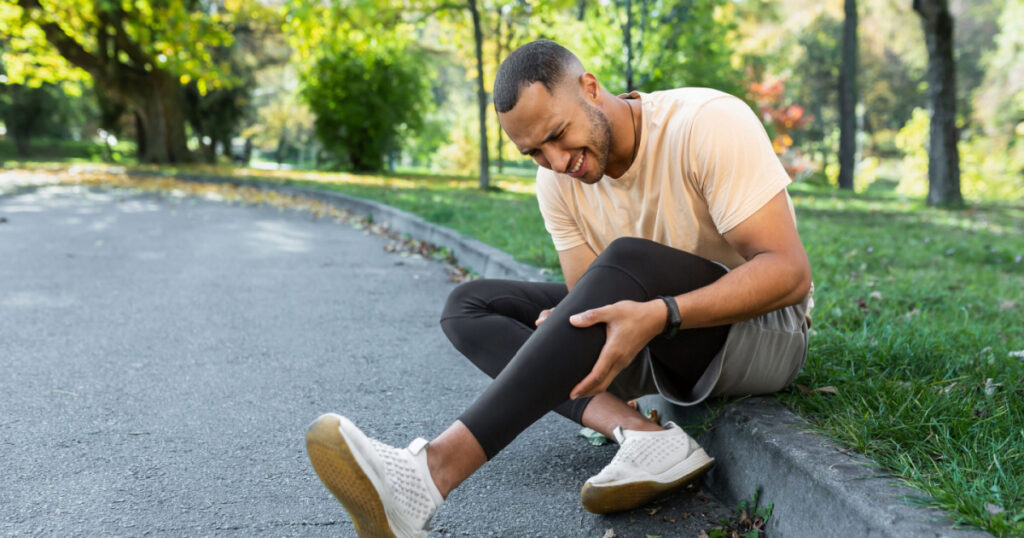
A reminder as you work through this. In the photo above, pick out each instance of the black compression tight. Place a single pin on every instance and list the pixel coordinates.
(492, 323)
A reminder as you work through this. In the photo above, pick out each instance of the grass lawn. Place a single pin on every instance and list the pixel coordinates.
(918, 324)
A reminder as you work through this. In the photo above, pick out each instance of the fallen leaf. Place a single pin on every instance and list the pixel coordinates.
(653, 510)
(994, 509)
(703, 534)
(875, 295)
(610, 533)
(1007, 305)
(862, 304)
(828, 389)
(595, 438)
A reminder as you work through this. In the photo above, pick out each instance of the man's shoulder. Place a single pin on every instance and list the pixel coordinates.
(685, 98)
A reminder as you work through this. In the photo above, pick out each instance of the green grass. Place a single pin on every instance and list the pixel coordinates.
(917, 313)
(66, 151)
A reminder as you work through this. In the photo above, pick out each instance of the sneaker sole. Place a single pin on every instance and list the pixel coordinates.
(339, 470)
(621, 497)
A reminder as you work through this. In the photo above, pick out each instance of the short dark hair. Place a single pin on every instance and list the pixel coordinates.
(541, 61)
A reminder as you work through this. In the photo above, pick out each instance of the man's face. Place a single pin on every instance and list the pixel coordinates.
(561, 131)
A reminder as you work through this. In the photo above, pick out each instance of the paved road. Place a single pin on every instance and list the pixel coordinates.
(162, 357)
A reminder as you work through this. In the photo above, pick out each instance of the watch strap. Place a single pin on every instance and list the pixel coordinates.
(674, 320)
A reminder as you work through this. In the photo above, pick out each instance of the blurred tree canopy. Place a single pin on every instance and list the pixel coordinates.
(386, 84)
(140, 54)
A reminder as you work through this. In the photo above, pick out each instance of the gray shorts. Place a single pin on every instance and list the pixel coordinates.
(760, 356)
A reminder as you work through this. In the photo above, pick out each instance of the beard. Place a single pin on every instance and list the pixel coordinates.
(600, 139)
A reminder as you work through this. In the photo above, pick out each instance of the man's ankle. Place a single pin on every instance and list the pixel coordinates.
(641, 424)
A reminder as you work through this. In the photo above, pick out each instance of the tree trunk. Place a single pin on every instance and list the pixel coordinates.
(498, 50)
(627, 38)
(160, 109)
(943, 155)
(848, 99)
(481, 95)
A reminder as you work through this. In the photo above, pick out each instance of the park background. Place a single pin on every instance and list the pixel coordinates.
(901, 122)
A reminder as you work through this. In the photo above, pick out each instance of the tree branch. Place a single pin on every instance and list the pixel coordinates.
(66, 45)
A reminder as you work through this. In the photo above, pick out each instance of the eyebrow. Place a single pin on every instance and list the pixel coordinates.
(548, 138)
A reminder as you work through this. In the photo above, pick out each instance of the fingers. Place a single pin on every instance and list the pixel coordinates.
(589, 317)
(599, 378)
(543, 316)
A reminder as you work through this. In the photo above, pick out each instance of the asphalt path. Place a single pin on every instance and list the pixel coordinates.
(162, 357)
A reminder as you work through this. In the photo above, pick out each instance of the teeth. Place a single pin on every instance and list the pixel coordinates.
(576, 167)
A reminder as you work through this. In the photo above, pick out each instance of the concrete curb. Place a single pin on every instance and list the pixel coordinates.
(818, 489)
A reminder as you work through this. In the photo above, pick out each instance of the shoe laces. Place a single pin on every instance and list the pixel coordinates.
(406, 480)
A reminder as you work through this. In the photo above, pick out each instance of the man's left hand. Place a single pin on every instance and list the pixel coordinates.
(630, 326)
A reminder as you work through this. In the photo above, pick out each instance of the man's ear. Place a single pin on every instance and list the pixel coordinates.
(590, 88)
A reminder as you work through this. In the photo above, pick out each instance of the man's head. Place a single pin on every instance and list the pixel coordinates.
(552, 109)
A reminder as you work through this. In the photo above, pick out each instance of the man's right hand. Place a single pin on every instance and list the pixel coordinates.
(543, 316)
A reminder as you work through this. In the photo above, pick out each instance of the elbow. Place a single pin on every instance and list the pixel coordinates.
(801, 284)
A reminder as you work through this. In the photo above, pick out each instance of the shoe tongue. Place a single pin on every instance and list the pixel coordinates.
(418, 444)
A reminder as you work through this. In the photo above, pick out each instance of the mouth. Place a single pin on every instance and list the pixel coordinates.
(577, 169)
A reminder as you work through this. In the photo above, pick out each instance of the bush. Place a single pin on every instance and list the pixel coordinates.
(363, 98)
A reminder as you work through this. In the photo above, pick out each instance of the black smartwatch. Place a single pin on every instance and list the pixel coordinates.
(674, 319)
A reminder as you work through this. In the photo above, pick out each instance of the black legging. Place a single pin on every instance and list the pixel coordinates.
(492, 323)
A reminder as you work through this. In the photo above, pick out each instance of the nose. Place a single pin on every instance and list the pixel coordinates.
(557, 158)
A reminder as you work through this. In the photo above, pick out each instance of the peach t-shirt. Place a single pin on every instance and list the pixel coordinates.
(704, 165)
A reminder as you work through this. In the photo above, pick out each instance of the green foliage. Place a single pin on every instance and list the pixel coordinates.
(999, 102)
(174, 36)
(677, 43)
(363, 99)
(985, 172)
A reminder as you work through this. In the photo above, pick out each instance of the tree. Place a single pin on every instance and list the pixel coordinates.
(481, 93)
(943, 155)
(848, 98)
(664, 44)
(138, 53)
(362, 98)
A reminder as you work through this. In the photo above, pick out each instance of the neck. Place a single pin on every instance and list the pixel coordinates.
(625, 138)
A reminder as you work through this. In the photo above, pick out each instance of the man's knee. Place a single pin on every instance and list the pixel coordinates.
(626, 252)
(466, 299)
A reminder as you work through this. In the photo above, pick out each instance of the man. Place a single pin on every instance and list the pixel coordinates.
(684, 275)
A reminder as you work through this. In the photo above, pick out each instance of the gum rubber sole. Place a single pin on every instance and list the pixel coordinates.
(339, 470)
(608, 499)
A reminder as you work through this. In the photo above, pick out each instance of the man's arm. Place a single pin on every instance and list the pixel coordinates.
(777, 274)
(574, 262)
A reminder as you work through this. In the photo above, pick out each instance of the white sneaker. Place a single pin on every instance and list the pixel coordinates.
(647, 465)
(387, 491)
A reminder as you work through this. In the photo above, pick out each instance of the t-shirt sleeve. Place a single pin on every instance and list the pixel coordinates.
(556, 210)
(732, 161)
